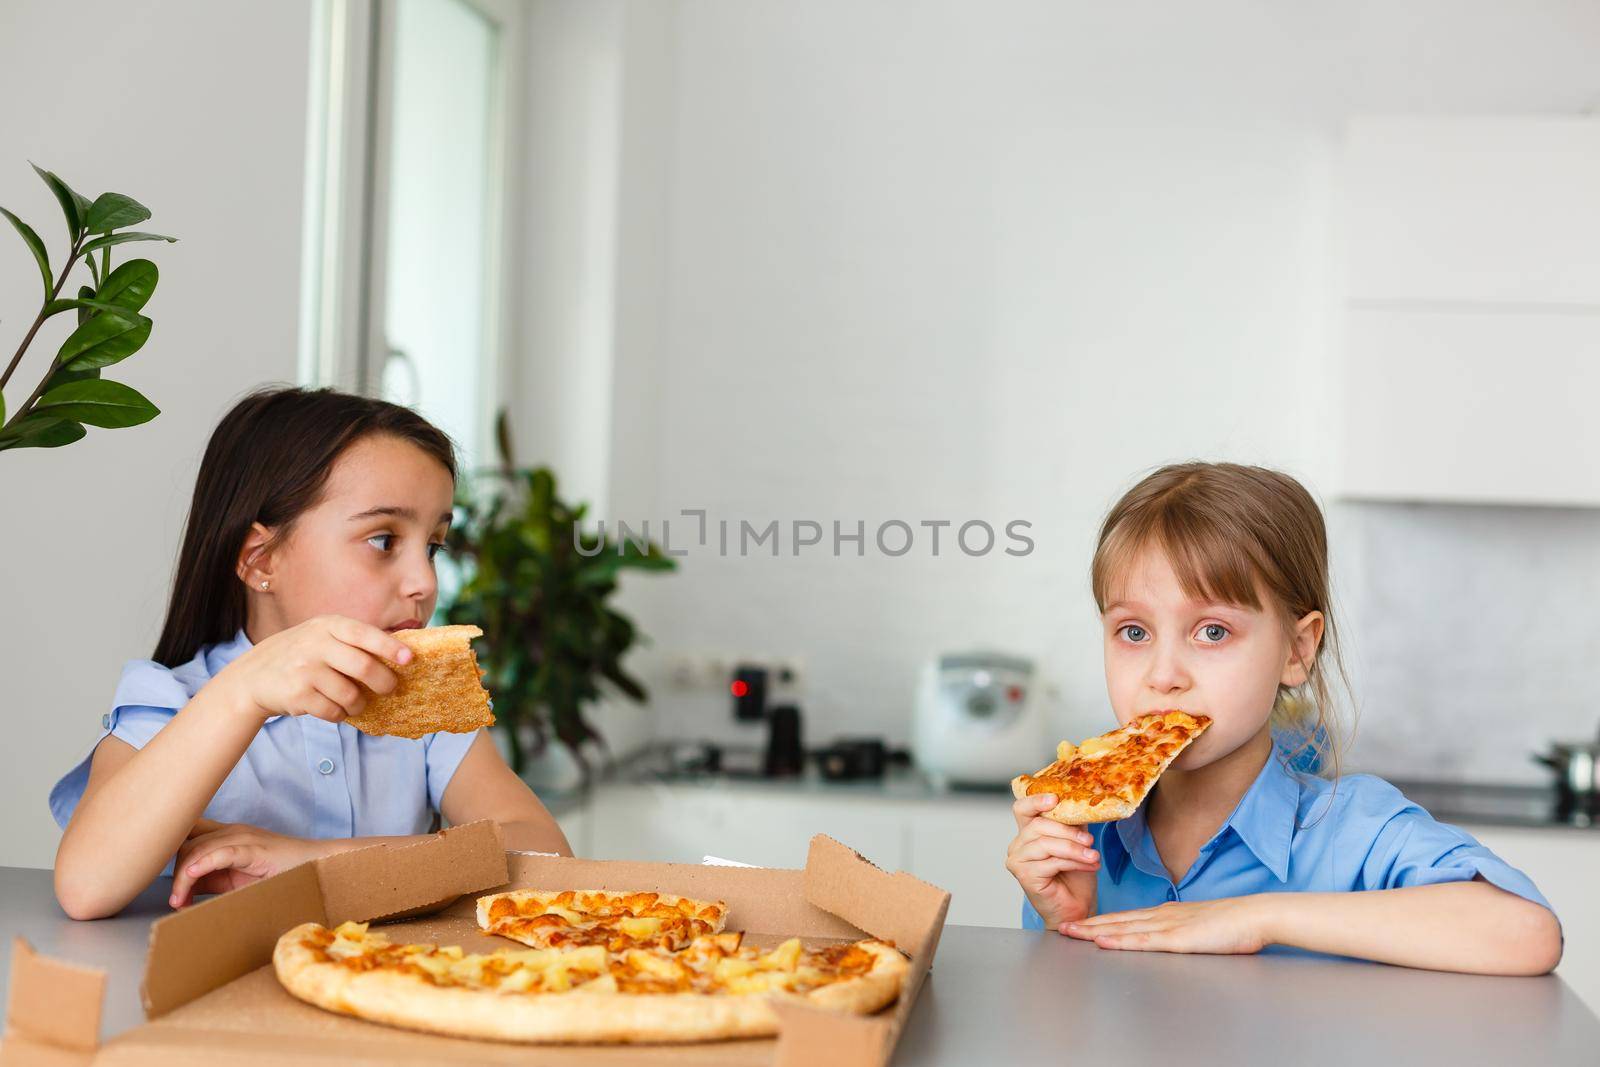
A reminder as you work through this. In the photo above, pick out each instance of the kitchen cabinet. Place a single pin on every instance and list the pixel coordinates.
(681, 823)
(1471, 330)
(1488, 211)
(956, 843)
(960, 845)
(1472, 406)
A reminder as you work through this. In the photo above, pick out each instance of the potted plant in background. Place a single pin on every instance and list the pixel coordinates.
(551, 639)
(70, 393)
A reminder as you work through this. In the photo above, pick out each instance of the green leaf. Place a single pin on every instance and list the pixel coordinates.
(47, 434)
(36, 246)
(103, 340)
(113, 211)
(2, 409)
(98, 403)
(88, 305)
(123, 238)
(73, 206)
(85, 293)
(30, 422)
(63, 375)
(130, 285)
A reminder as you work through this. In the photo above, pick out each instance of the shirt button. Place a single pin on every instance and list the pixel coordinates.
(325, 766)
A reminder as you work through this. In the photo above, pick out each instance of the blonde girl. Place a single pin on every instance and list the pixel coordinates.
(1211, 580)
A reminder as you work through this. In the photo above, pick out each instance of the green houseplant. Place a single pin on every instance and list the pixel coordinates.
(550, 636)
(70, 393)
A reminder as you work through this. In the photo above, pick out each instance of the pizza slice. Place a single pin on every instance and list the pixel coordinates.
(619, 921)
(441, 689)
(1107, 777)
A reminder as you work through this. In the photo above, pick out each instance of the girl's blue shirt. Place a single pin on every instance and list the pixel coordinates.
(301, 776)
(1292, 832)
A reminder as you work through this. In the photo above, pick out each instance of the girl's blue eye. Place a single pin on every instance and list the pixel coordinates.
(1214, 633)
(387, 539)
(434, 548)
(1134, 633)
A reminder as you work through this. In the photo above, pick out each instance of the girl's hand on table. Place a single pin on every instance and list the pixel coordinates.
(1230, 926)
(218, 857)
(1055, 864)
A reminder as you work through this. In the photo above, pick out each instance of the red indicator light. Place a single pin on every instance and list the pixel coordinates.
(739, 688)
(1014, 693)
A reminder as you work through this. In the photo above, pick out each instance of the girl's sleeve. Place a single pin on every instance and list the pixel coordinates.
(1411, 847)
(146, 699)
(444, 753)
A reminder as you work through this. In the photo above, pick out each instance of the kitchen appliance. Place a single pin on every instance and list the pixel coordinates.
(748, 688)
(786, 754)
(978, 719)
(851, 759)
(1575, 764)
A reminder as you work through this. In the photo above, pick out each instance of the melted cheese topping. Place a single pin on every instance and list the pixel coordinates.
(713, 965)
(1123, 763)
(617, 921)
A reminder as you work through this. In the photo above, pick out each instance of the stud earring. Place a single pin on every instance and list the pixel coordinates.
(263, 585)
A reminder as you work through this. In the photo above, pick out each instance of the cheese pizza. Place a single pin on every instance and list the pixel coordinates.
(716, 987)
(1107, 777)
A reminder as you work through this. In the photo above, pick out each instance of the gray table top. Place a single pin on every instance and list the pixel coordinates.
(1013, 996)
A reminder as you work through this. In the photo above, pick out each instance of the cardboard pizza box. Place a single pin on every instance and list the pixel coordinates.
(209, 990)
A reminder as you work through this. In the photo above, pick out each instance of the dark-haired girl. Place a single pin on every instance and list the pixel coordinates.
(226, 758)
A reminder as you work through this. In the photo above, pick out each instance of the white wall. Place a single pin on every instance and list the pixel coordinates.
(958, 260)
(197, 109)
(565, 248)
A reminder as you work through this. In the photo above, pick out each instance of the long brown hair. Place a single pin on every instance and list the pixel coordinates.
(1230, 531)
(267, 462)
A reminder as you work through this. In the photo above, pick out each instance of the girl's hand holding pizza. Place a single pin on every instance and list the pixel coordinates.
(1055, 864)
(326, 667)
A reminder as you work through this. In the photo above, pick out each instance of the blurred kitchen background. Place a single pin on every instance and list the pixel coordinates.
(843, 262)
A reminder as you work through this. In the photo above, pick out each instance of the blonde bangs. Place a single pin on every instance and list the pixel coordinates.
(1210, 558)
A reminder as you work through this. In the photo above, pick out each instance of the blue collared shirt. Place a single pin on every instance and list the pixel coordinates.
(301, 776)
(1298, 833)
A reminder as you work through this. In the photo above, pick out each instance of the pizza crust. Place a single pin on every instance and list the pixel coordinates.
(1081, 812)
(440, 690)
(574, 1016)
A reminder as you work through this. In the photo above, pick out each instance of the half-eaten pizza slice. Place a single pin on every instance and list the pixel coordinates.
(619, 921)
(1107, 777)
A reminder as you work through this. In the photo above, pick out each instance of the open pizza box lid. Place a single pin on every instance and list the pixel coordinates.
(209, 990)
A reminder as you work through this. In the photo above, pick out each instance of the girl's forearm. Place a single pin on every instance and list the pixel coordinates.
(1472, 927)
(536, 835)
(128, 826)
